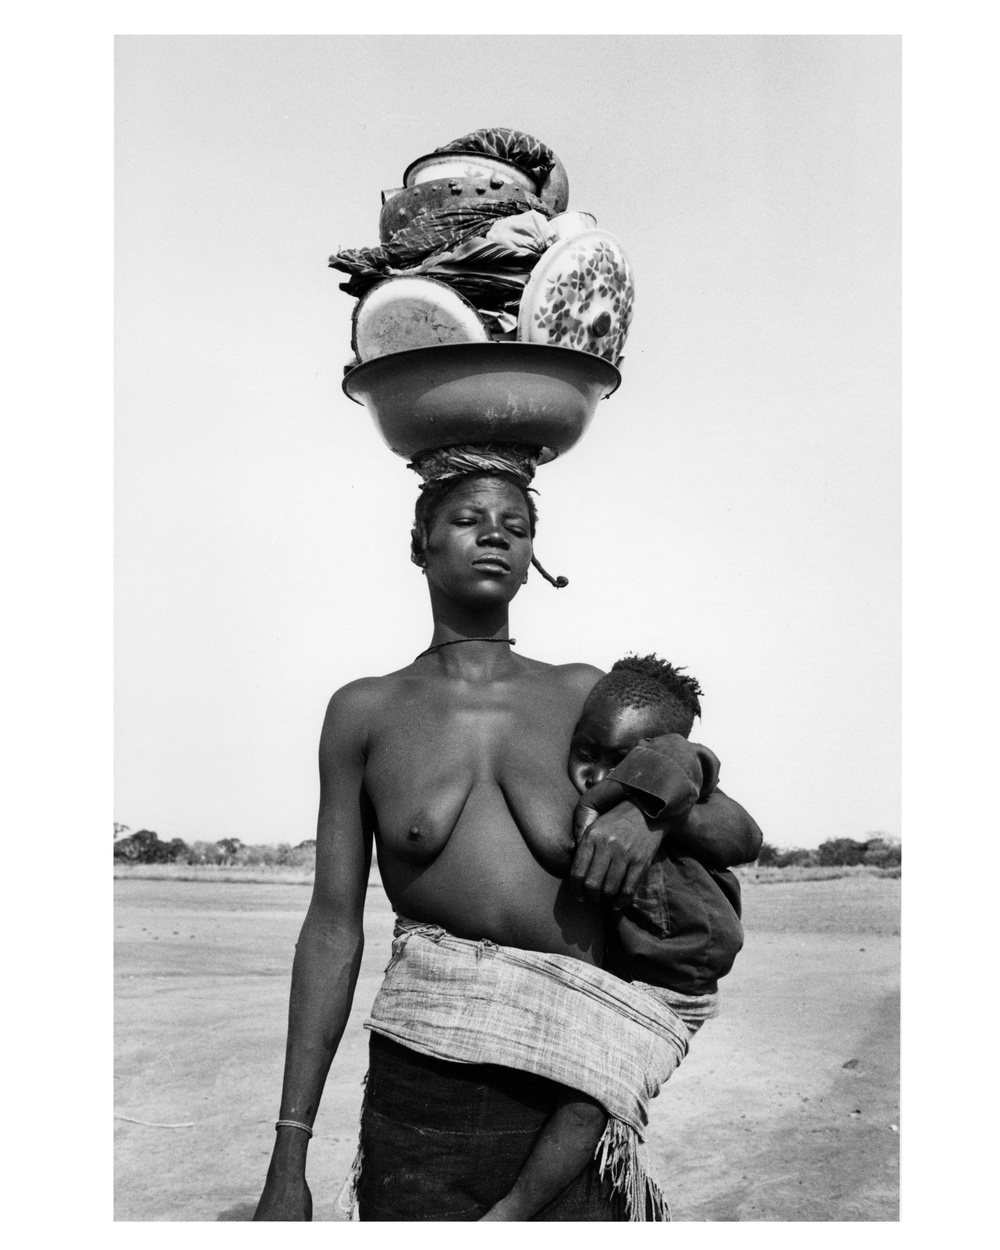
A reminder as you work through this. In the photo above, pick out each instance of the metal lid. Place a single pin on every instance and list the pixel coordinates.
(404, 313)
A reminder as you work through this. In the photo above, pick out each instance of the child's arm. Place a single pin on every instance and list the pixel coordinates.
(673, 784)
(565, 1146)
(618, 824)
(718, 832)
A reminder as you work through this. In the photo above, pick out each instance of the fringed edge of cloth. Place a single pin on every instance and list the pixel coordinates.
(623, 1159)
(620, 1156)
(347, 1199)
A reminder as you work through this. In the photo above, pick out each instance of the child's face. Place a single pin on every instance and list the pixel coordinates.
(604, 735)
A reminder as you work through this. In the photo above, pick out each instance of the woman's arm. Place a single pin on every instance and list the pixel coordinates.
(328, 953)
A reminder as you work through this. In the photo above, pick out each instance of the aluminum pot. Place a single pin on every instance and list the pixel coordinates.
(525, 393)
(461, 165)
(554, 191)
(411, 203)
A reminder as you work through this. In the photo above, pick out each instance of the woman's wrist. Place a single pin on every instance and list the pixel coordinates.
(291, 1145)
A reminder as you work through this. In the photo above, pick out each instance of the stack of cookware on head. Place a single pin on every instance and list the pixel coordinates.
(480, 265)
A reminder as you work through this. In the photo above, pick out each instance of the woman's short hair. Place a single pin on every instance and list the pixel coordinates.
(434, 493)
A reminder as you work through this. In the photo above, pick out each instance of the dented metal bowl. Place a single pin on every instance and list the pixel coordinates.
(402, 208)
(464, 165)
(525, 393)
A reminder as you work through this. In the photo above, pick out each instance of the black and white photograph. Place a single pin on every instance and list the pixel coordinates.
(507, 693)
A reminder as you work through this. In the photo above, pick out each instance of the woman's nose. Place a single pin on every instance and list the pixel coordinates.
(493, 536)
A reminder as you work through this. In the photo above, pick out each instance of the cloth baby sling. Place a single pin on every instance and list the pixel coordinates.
(478, 1002)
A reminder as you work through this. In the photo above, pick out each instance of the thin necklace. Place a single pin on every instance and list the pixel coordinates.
(437, 646)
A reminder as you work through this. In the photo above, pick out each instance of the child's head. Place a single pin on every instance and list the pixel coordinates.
(642, 697)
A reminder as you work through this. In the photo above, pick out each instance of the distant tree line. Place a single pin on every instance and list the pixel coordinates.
(877, 850)
(146, 847)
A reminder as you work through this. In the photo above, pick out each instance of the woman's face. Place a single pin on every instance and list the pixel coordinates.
(479, 543)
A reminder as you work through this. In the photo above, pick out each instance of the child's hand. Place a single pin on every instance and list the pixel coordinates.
(615, 844)
(595, 802)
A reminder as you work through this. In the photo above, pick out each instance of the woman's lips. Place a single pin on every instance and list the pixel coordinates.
(492, 562)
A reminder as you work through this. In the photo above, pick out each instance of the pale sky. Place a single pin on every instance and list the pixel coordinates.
(734, 507)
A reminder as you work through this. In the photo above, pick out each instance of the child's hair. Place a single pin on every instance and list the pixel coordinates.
(647, 681)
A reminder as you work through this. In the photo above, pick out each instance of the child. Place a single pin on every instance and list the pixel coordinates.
(679, 935)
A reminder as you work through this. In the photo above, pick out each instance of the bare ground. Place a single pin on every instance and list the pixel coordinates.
(786, 1108)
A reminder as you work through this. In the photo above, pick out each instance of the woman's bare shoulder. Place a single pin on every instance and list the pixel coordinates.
(354, 711)
(359, 700)
(578, 677)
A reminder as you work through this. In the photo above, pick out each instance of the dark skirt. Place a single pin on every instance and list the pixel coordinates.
(445, 1141)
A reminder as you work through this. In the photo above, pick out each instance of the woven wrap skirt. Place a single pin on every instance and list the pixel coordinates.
(445, 1141)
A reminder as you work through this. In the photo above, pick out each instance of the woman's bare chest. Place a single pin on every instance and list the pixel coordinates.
(496, 757)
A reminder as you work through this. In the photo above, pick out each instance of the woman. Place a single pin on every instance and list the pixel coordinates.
(456, 766)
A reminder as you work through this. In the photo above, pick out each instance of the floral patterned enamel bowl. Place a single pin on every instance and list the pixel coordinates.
(505, 392)
(580, 294)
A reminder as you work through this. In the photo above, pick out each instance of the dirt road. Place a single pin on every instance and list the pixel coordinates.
(786, 1108)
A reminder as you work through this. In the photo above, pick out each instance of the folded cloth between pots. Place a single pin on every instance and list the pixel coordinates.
(479, 1002)
(512, 245)
(490, 270)
(431, 235)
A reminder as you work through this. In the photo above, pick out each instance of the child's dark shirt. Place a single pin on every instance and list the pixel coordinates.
(682, 931)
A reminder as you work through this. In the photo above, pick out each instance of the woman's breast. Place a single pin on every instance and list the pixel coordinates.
(487, 857)
(459, 772)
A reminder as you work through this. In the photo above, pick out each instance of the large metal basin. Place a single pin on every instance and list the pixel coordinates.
(482, 393)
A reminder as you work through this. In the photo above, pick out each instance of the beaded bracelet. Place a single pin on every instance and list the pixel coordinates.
(293, 1124)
